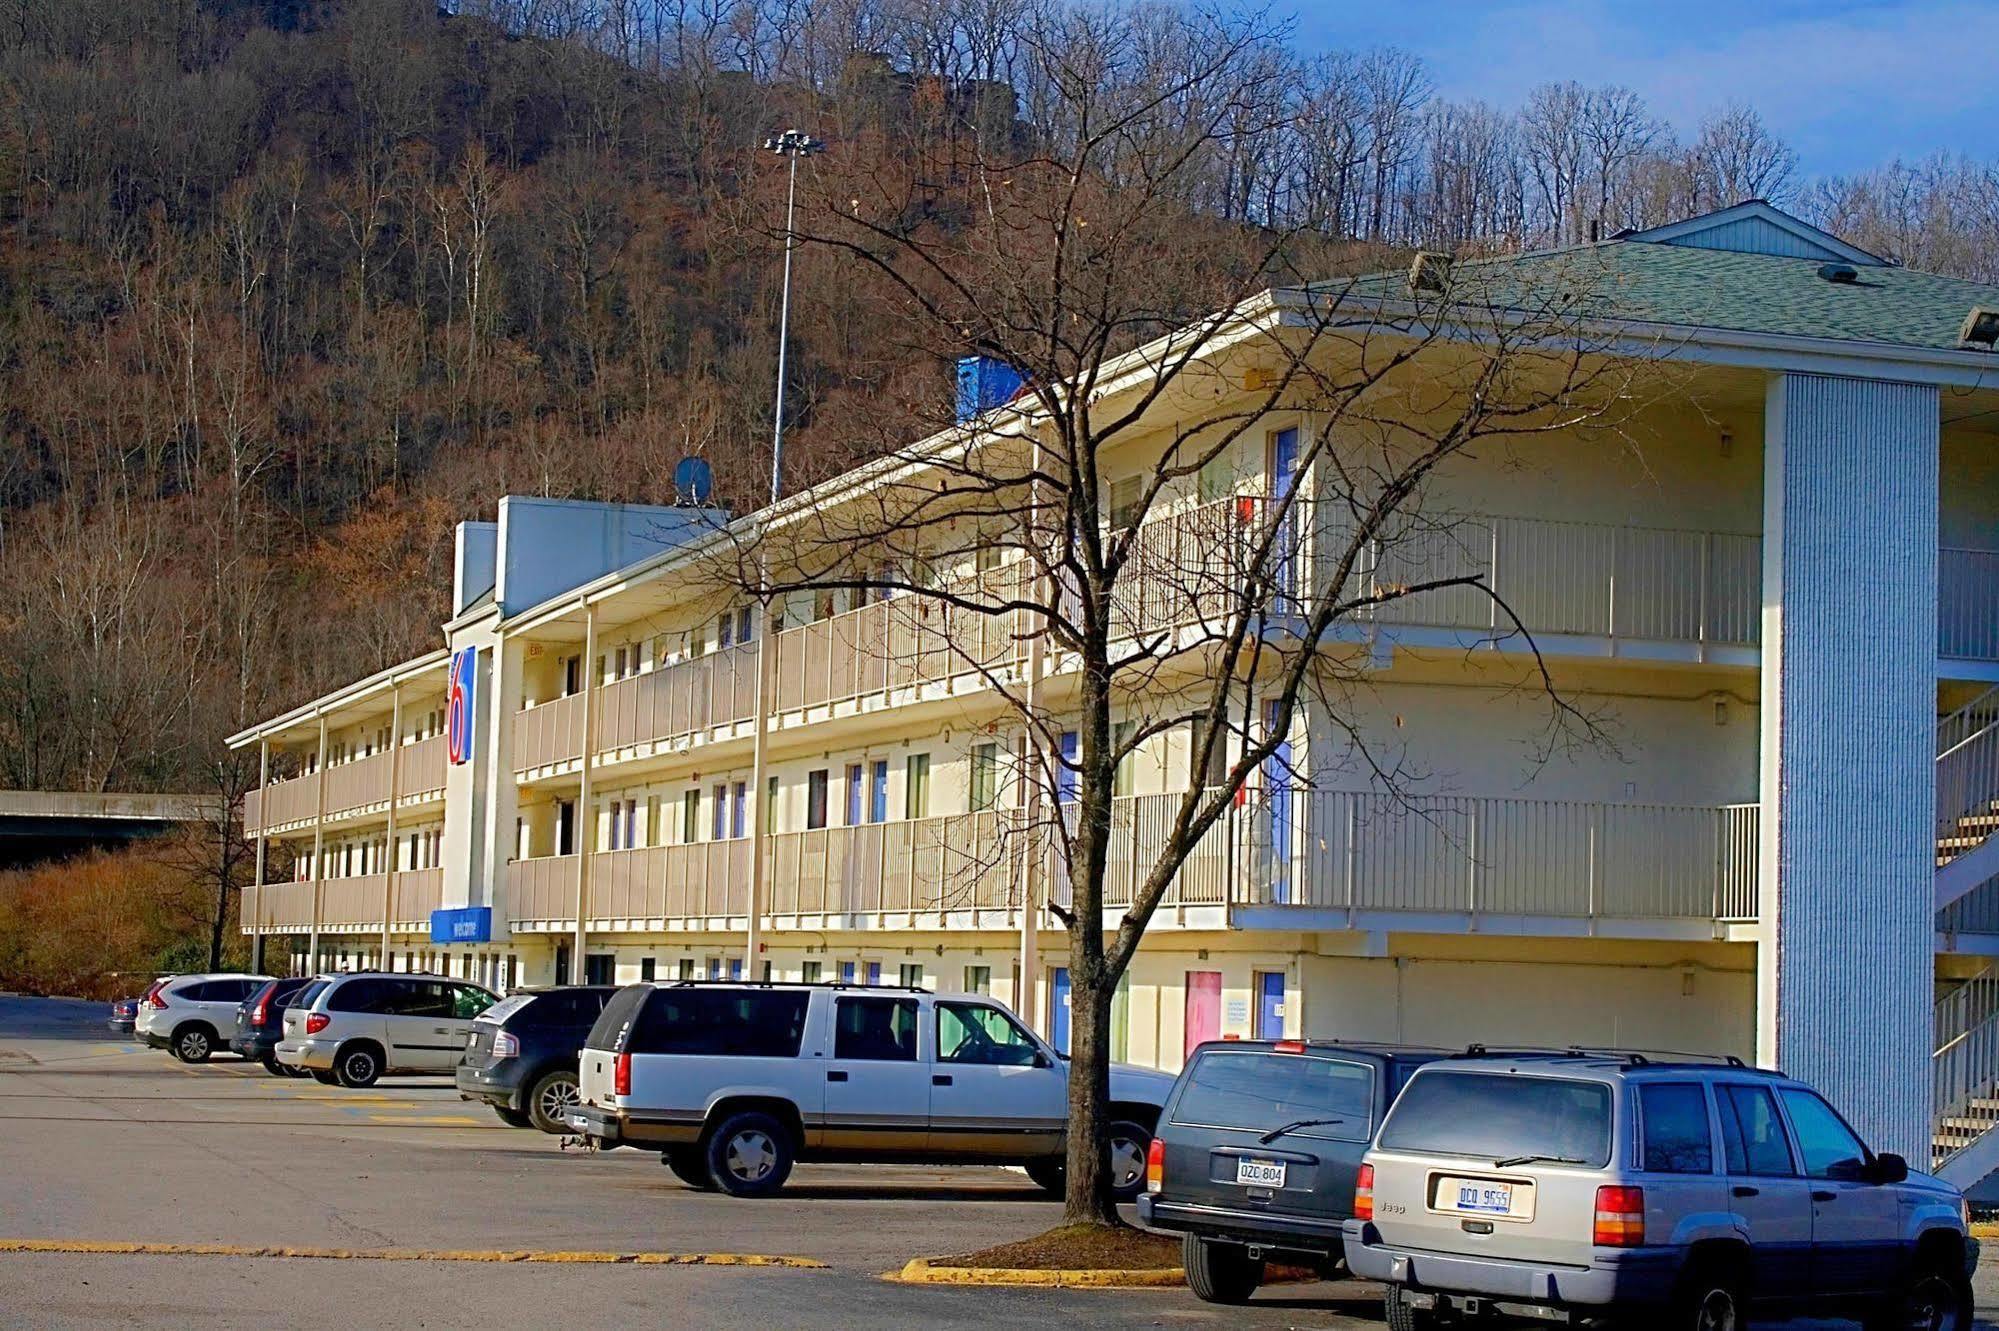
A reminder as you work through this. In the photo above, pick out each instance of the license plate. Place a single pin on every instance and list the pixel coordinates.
(1259, 1173)
(1478, 1196)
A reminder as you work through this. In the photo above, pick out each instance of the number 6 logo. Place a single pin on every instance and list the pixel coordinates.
(458, 706)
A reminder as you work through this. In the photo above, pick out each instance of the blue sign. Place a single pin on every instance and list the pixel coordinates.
(465, 924)
(459, 703)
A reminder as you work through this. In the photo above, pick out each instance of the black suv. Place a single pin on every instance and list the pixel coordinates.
(521, 1058)
(1257, 1151)
(260, 1024)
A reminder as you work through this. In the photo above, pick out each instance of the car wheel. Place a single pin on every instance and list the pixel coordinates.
(1220, 1272)
(293, 1071)
(690, 1167)
(1934, 1301)
(324, 1077)
(513, 1118)
(553, 1095)
(1126, 1144)
(357, 1066)
(1405, 1316)
(749, 1155)
(194, 1043)
(276, 1069)
(1709, 1299)
(1048, 1175)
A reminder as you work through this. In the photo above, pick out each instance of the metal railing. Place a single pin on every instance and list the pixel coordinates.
(293, 800)
(684, 698)
(548, 733)
(1967, 771)
(418, 893)
(967, 861)
(422, 767)
(702, 880)
(1968, 603)
(1965, 1064)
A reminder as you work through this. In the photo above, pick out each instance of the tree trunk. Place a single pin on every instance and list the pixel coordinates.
(1088, 1194)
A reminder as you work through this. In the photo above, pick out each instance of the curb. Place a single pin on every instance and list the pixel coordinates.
(113, 1248)
(920, 1271)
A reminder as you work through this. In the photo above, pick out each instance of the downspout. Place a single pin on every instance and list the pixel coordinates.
(584, 825)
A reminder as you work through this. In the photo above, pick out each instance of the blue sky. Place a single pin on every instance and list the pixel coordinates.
(1848, 85)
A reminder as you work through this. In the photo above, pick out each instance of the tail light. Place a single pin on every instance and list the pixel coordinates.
(505, 1045)
(262, 1012)
(1620, 1218)
(621, 1075)
(152, 998)
(1155, 1166)
(1289, 1047)
(315, 1022)
(1363, 1194)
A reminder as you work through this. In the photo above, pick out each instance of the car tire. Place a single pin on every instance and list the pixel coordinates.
(1709, 1298)
(1048, 1175)
(690, 1167)
(193, 1043)
(553, 1094)
(1219, 1272)
(275, 1068)
(357, 1066)
(1401, 1315)
(1128, 1144)
(1934, 1298)
(324, 1076)
(513, 1118)
(749, 1155)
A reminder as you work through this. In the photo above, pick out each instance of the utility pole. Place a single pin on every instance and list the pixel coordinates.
(793, 144)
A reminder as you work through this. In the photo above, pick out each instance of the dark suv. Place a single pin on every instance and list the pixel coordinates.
(1257, 1151)
(521, 1058)
(260, 1023)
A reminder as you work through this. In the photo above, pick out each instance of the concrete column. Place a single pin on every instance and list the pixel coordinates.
(586, 821)
(263, 856)
(395, 794)
(318, 851)
(1846, 850)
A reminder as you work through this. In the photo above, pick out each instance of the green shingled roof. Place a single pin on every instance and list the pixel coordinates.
(1642, 282)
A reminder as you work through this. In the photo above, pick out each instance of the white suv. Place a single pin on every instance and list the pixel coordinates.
(192, 1016)
(352, 1029)
(733, 1083)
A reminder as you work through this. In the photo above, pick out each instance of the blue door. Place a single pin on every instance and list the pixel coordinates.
(1284, 478)
(878, 796)
(846, 972)
(1065, 770)
(1270, 1005)
(1058, 1009)
(874, 972)
(1279, 834)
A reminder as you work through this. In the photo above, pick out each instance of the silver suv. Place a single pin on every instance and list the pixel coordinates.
(1581, 1186)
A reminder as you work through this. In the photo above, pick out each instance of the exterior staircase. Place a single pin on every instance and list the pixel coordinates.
(1965, 1062)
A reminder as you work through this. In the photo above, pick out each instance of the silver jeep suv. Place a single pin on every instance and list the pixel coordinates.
(1585, 1186)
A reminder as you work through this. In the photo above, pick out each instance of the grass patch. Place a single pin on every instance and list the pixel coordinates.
(1077, 1248)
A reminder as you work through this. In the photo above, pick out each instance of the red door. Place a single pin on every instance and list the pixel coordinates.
(1204, 1007)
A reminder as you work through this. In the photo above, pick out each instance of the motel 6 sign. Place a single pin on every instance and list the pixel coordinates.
(458, 707)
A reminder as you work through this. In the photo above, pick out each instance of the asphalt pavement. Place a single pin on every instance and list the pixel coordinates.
(104, 1142)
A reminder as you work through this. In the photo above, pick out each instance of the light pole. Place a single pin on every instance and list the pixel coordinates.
(794, 144)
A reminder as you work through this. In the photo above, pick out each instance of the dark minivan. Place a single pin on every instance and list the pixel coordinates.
(260, 1024)
(521, 1058)
(1257, 1151)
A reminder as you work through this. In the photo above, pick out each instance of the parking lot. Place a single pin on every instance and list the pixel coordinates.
(107, 1143)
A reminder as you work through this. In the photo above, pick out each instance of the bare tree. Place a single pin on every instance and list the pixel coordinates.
(1736, 157)
(1106, 553)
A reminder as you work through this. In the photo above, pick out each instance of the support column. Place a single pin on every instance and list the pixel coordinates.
(257, 879)
(1846, 841)
(1035, 860)
(318, 850)
(586, 821)
(759, 798)
(395, 794)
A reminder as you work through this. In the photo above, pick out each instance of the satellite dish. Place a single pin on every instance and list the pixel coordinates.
(693, 480)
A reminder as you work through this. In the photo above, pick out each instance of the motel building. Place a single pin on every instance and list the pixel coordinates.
(1786, 600)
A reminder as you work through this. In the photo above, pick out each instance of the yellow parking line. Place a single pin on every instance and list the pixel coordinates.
(450, 1120)
(113, 1248)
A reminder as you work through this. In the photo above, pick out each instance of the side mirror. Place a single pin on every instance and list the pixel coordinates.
(1888, 1168)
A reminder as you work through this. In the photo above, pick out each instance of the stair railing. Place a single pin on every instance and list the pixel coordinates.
(1965, 1064)
(1968, 760)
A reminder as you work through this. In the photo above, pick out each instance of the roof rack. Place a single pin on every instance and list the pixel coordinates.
(1630, 1057)
(792, 984)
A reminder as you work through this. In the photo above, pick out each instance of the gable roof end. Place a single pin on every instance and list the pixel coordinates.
(1756, 227)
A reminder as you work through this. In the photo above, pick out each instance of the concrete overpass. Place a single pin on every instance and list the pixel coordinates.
(49, 824)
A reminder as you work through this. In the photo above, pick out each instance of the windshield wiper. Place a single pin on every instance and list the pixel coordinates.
(1275, 1133)
(1512, 1160)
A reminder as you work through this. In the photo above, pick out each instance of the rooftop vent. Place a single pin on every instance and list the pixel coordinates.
(1981, 327)
(1843, 273)
(1429, 271)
